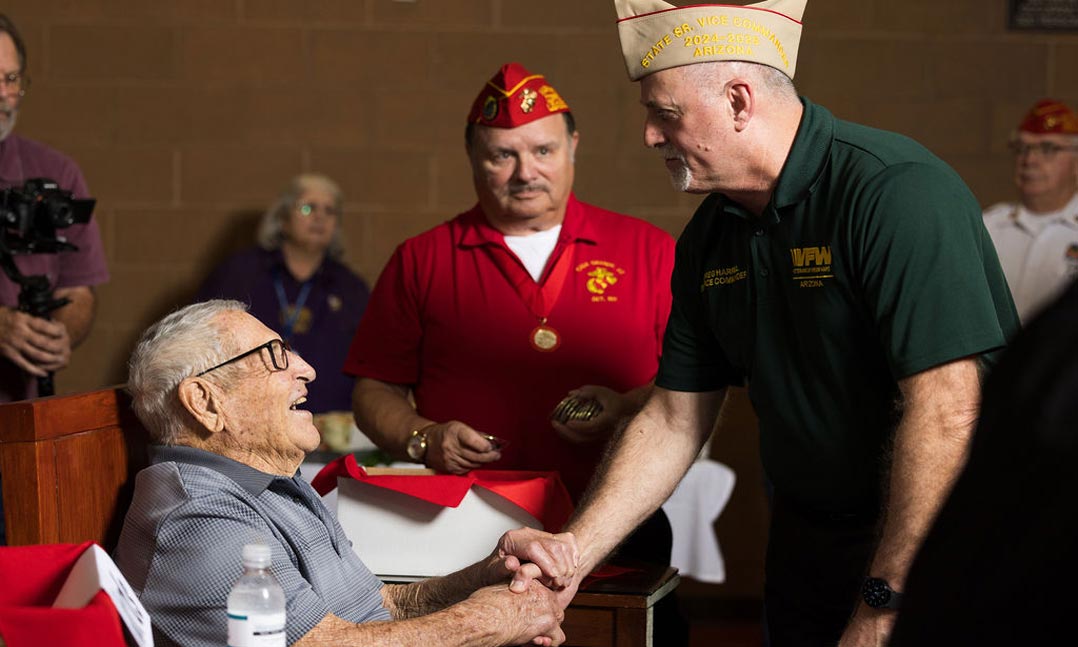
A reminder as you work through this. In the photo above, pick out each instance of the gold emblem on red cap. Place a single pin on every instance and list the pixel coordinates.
(527, 100)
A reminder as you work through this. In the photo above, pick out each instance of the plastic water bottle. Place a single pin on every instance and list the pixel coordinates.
(256, 605)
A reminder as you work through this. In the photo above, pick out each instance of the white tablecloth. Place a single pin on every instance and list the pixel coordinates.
(693, 507)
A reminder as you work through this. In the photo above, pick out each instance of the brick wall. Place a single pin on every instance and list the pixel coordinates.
(188, 116)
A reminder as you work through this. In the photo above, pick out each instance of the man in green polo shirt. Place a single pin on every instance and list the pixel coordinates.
(844, 275)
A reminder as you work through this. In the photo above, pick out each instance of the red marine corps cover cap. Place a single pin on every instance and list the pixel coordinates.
(1048, 117)
(513, 97)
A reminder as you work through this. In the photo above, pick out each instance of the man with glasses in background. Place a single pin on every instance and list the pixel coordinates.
(1037, 237)
(32, 347)
(223, 399)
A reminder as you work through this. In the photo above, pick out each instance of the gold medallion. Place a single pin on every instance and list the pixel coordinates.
(545, 339)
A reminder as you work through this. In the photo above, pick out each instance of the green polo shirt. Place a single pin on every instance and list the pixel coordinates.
(870, 264)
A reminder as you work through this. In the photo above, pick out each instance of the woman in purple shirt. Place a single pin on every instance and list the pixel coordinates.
(296, 285)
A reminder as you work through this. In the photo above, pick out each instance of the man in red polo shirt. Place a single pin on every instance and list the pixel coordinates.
(489, 320)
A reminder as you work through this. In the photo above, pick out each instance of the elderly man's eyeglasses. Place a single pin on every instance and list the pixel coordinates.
(1047, 150)
(278, 352)
(15, 81)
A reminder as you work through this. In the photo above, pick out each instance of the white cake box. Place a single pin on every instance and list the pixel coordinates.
(401, 536)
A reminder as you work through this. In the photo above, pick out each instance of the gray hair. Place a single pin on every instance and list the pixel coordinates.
(270, 228)
(713, 74)
(175, 348)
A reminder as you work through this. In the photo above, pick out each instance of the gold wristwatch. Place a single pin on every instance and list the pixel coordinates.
(417, 444)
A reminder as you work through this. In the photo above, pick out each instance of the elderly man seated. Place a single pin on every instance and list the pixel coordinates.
(221, 396)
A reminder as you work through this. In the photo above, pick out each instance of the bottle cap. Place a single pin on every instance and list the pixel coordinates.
(256, 556)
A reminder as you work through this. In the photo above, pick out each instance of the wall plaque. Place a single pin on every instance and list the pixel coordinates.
(1043, 14)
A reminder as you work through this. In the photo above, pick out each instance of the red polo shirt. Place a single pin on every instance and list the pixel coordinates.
(450, 318)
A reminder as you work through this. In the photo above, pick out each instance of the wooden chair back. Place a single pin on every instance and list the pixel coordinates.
(67, 465)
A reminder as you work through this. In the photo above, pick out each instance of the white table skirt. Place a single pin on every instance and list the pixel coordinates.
(693, 508)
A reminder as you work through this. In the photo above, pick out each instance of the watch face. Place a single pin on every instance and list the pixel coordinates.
(876, 592)
(417, 447)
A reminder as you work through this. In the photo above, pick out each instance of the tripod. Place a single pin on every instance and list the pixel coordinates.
(35, 299)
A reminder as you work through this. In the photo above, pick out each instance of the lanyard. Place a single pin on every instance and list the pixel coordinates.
(282, 300)
(539, 299)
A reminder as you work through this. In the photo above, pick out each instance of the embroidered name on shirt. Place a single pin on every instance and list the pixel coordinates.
(812, 266)
(602, 276)
(723, 276)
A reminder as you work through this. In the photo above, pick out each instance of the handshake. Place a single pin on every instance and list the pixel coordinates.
(543, 574)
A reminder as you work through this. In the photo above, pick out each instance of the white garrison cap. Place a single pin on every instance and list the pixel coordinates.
(656, 35)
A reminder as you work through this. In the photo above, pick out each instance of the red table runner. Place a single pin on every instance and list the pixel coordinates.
(540, 494)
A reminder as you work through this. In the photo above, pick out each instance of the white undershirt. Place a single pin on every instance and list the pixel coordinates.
(534, 250)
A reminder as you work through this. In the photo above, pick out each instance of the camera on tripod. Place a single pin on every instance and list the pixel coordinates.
(30, 216)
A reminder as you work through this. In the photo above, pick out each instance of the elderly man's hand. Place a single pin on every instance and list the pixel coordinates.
(532, 554)
(615, 406)
(35, 345)
(534, 615)
(456, 448)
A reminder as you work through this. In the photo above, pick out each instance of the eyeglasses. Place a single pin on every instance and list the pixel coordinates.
(1047, 150)
(308, 208)
(278, 352)
(15, 81)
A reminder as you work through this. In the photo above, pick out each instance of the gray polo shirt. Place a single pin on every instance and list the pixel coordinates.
(183, 535)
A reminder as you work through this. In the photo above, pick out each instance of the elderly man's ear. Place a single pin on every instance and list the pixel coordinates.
(203, 402)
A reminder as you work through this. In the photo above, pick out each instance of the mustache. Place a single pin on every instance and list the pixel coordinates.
(526, 188)
(669, 152)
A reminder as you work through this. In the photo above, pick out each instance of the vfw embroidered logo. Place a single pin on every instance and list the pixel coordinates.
(602, 277)
(811, 266)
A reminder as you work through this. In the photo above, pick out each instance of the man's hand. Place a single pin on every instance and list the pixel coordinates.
(35, 345)
(533, 615)
(456, 448)
(532, 554)
(615, 406)
(868, 628)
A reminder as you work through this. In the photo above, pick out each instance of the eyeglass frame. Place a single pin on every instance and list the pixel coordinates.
(285, 348)
(307, 209)
(1047, 150)
(18, 80)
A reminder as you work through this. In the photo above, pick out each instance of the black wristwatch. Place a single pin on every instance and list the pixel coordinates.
(878, 594)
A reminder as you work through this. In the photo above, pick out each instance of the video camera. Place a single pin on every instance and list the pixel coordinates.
(30, 216)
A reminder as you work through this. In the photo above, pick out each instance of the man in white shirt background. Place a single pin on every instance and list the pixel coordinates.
(1037, 237)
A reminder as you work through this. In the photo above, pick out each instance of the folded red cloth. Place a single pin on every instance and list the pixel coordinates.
(33, 576)
(540, 494)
